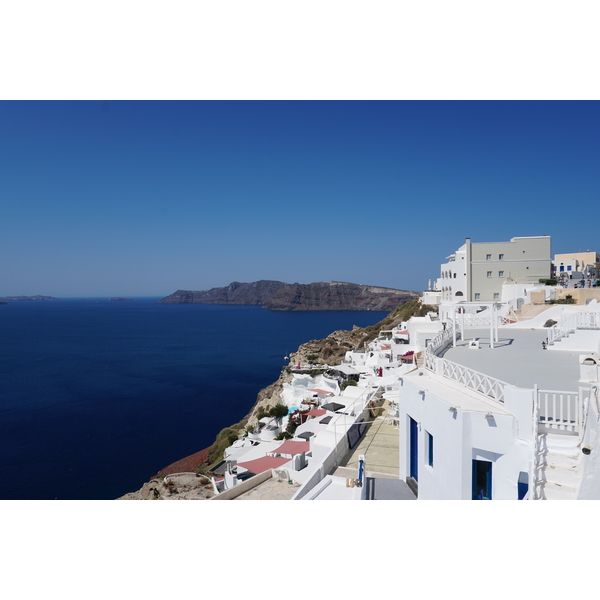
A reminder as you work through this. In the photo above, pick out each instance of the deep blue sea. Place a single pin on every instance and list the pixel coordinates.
(96, 396)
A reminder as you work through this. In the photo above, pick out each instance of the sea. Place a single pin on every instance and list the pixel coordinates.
(97, 396)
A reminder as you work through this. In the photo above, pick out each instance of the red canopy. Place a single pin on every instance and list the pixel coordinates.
(292, 447)
(265, 463)
(319, 391)
(316, 412)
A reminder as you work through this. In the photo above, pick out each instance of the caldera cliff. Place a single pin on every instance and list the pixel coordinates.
(276, 295)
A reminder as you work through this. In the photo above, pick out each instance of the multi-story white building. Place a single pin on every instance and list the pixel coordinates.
(477, 271)
(514, 420)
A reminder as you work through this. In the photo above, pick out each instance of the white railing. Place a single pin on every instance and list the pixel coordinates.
(570, 323)
(535, 467)
(478, 321)
(567, 325)
(489, 387)
(440, 342)
(429, 360)
(559, 411)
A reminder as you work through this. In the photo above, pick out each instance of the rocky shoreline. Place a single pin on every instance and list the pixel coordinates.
(330, 350)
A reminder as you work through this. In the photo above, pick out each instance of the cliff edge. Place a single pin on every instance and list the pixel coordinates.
(276, 295)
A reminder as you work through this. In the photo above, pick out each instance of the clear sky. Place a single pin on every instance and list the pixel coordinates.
(141, 198)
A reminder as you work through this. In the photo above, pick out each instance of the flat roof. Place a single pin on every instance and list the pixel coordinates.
(519, 359)
(455, 393)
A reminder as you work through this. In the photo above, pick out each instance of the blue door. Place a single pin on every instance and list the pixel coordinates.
(482, 480)
(414, 449)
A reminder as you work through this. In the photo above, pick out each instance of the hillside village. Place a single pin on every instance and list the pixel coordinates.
(486, 388)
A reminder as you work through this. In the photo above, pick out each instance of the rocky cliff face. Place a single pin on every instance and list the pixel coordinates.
(256, 293)
(276, 295)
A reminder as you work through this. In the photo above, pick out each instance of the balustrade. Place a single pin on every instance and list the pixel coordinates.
(489, 387)
(558, 411)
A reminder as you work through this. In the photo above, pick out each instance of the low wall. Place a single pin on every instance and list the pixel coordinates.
(330, 461)
(580, 295)
(244, 486)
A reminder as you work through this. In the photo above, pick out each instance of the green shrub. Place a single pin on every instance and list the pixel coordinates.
(312, 357)
(567, 300)
(348, 383)
(279, 411)
(548, 281)
(224, 439)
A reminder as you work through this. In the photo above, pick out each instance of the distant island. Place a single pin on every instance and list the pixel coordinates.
(277, 295)
(23, 298)
(118, 299)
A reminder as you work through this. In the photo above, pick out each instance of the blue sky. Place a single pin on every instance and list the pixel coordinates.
(140, 198)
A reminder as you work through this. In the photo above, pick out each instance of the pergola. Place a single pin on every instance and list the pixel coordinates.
(493, 320)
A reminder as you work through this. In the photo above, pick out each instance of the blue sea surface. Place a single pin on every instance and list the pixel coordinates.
(97, 396)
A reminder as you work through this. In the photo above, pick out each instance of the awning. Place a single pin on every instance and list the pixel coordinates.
(318, 391)
(292, 447)
(260, 465)
(316, 412)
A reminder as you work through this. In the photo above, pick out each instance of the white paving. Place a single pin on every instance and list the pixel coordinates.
(519, 359)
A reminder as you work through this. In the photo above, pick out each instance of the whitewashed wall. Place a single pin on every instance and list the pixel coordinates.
(460, 437)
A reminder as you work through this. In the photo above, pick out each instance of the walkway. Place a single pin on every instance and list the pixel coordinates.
(380, 447)
(271, 489)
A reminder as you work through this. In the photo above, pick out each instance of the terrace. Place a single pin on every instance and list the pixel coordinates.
(518, 358)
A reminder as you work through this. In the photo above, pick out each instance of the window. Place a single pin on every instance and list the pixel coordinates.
(488, 257)
(496, 296)
(500, 256)
(562, 268)
(477, 296)
(429, 439)
(489, 273)
(500, 273)
(568, 268)
(454, 275)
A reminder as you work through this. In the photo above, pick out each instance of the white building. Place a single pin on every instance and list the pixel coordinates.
(477, 271)
(508, 422)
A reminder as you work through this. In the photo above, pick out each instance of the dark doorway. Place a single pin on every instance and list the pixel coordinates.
(482, 480)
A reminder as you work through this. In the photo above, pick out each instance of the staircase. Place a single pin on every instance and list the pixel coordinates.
(557, 475)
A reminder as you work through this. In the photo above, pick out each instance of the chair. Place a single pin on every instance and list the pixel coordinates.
(392, 416)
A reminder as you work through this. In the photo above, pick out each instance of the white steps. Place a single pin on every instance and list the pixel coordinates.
(558, 471)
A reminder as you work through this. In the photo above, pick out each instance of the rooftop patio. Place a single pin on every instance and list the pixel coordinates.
(518, 358)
